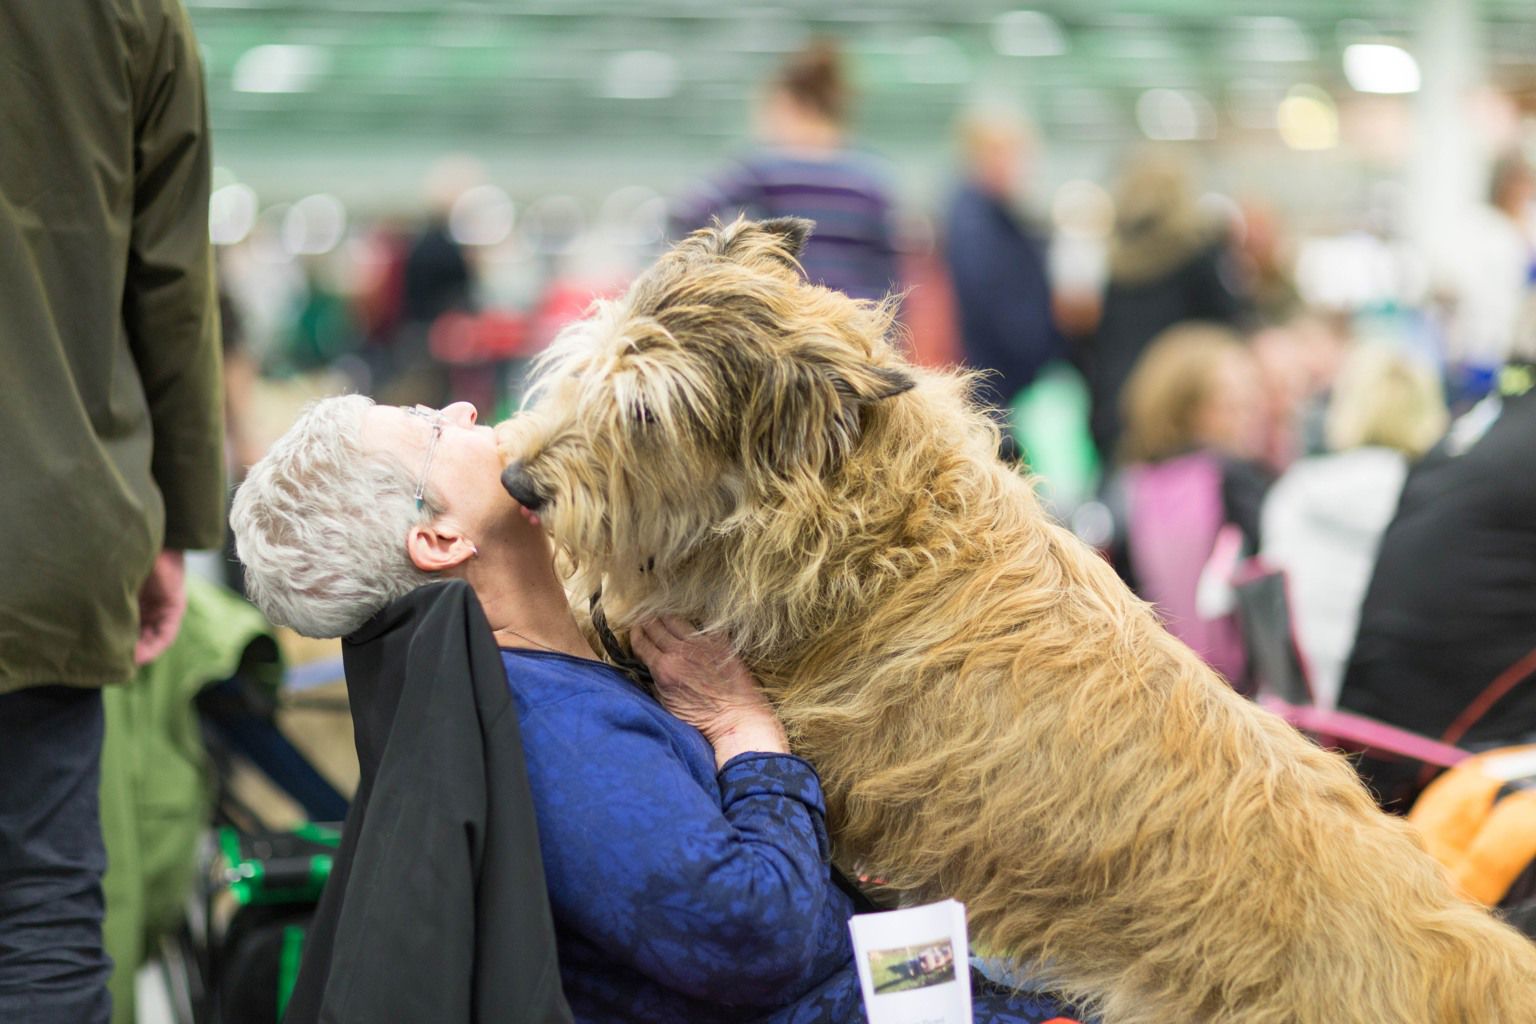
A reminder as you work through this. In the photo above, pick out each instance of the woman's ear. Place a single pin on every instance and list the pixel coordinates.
(438, 546)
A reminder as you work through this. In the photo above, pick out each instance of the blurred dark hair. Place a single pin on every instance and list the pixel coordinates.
(814, 78)
(231, 323)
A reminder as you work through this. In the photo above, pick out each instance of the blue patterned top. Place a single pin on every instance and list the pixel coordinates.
(681, 894)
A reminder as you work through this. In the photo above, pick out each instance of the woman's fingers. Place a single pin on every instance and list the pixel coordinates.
(644, 646)
(676, 628)
(659, 636)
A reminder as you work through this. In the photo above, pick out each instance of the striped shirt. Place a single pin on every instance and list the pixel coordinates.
(852, 249)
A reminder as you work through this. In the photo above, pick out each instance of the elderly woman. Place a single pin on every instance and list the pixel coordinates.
(683, 846)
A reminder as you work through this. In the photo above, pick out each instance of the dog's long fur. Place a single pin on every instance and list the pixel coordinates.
(994, 716)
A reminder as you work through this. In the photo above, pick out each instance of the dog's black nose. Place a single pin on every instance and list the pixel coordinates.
(521, 487)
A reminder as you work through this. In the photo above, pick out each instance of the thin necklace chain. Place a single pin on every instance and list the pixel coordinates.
(528, 639)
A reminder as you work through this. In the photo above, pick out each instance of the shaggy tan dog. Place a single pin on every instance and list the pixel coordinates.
(994, 716)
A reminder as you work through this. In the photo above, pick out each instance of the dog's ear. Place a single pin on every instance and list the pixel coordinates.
(775, 243)
(813, 410)
(866, 385)
(793, 232)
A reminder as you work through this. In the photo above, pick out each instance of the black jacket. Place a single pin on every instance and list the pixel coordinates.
(436, 908)
(1452, 600)
(1135, 313)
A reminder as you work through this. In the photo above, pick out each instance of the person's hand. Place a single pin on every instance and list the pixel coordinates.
(701, 681)
(162, 602)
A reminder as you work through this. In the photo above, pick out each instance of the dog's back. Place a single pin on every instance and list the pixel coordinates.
(994, 716)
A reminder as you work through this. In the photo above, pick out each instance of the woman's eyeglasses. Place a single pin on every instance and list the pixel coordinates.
(437, 420)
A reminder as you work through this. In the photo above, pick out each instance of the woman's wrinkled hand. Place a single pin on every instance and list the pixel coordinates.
(700, 680)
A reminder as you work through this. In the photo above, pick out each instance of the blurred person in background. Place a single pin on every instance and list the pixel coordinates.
(1490, 275)
(804, 167)
(1265, 263)
(1447, 640)
(1324, 517)
(324, 328)
(1194, 415)
(1168, 263)
(998, 265)
(1300, 359)
(928, 304)
(437, 278)
(113, 453)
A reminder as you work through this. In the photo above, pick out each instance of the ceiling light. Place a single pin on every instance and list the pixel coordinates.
(1175, 115)
(1307, 119)
(314, 225)
(281, 67)
(640, 75)
(231, 214)
(1379, 67)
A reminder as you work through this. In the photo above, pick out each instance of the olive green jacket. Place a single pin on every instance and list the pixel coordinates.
(111, 422)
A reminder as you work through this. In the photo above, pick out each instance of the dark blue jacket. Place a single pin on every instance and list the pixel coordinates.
(679, 893)
(998, 272)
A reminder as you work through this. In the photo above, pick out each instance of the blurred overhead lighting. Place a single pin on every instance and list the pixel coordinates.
(640, 75)
(314, 225)
(280, 68)
(1175, 115)
(1307, 119)
(936, 60)
(1379, 67)
(482, 215)
(1027, 34)
(231, 214)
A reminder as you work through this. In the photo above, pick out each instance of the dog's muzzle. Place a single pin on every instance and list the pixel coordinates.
(521, 487)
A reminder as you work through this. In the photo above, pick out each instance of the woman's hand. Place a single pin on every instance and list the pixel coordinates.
(701, 681)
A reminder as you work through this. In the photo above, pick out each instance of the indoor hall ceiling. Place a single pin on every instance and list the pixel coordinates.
(650, 74)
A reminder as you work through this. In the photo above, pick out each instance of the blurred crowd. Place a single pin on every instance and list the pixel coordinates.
(1188, 406)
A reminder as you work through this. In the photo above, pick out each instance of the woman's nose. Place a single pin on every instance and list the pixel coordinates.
(462, 413)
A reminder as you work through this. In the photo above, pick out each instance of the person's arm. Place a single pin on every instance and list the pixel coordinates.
(723, 901)
(170, 308)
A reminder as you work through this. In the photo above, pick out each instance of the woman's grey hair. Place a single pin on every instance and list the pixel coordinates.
(320, 524)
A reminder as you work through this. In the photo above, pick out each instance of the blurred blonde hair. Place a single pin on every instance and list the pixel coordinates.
(1171, 384)
(1158, 224)
(1384, 399)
